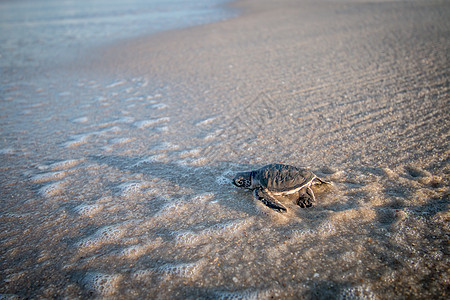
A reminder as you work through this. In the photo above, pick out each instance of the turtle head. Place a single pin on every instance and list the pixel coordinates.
(243, 180)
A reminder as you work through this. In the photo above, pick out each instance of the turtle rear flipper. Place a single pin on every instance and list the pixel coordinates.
(319, 180)
(264, 196)
(307, 199)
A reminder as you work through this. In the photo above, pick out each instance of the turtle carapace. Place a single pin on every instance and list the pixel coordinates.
(279, 180)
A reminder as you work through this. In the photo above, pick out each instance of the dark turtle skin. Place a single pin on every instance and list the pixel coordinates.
(279, 179)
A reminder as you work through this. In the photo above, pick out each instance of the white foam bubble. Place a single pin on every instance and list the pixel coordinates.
(48, 176)
(151, 122)
(120, 141)
(349, 256)
(199, 162)
(149, 160)
(134, 98)
(133, 251)
(326, 229)
(143, 82)
(143, 274)
(125, 120)
(205, 121)
(88, 210)
(190, 153)
(103, 284)
(101, 99)
(116, 84)
(166, 146)
(203, 197)
(53, 189)
(173, 208)
(117, 142)
(155, 96)
(93, 84)
(105, 199)
(225, 229)
(222, 180)
(145, 123)
(26, 112)
(188, 270)
(188, 238)
(210, 136)
(357, 293)
(137, 251)
(65, 164)
(159, 106)
(78, 140)
(302, 233)
(229, 228)
(122, 120)
(105, 235)
(162, 128)
(106, 124)
(114, 129)
(246, 295)
(7, 151)
(131, 188)
(80, 120)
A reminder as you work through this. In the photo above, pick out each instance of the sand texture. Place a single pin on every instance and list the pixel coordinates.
(115, 170)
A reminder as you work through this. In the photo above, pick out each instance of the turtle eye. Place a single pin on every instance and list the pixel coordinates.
(238, 182)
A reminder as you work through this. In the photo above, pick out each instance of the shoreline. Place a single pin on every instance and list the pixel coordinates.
(36, 44)
(307, 53)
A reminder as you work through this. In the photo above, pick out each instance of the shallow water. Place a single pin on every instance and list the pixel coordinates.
(120, 187)
(36, 34)
(103, 194)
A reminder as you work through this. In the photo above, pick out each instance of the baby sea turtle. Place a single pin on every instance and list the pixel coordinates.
(279, 180)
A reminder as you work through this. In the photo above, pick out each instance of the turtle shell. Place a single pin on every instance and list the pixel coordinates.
(281, 178)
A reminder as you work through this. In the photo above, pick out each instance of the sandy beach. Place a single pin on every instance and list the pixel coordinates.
(116, 166)
(353, 80)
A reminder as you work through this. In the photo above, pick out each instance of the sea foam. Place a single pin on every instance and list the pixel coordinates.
(103, 284)
(188, 270)
(137, 251)
(131, 188)
(247, 295)
(88, 210)
(44, 177)
(357, 293)
(105, 235)
(53, 189)
(151, 122)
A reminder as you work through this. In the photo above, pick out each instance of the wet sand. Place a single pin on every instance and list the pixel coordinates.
(354, 80)
(115, 177)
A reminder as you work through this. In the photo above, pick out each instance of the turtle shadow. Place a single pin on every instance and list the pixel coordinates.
(196, 179)
(330, 289)
(324, 290)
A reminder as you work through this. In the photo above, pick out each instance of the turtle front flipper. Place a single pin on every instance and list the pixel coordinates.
(265, 197)
(307, 199)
